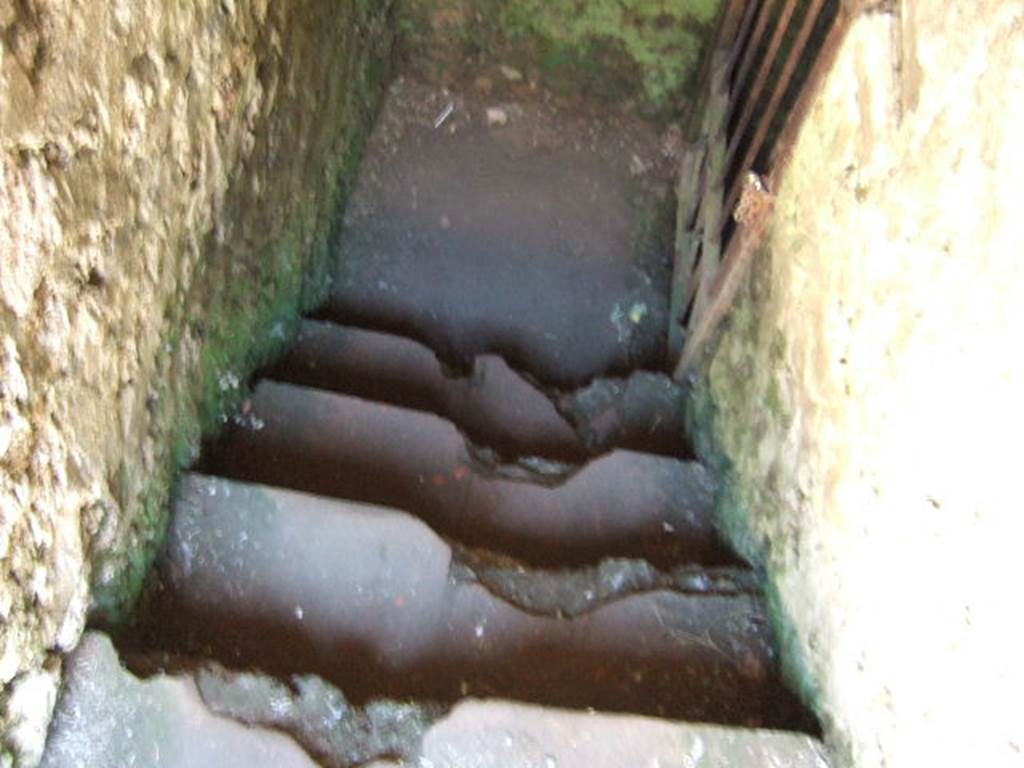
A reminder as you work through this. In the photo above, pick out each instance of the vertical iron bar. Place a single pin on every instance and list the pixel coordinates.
(762, 78)
(751, 49)
(795, 54)
(743, 38)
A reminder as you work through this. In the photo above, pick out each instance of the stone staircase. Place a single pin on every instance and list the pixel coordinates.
(385, 560)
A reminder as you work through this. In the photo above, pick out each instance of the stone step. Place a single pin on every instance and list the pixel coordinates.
(372, 600)
(645, 411)
(499, 734)
(203, 715)
(108, 718)
(493, 405)
(623, 504)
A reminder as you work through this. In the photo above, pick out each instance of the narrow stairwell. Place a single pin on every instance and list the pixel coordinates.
(457, 524)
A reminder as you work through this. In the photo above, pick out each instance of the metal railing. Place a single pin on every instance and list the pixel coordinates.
(758, 78)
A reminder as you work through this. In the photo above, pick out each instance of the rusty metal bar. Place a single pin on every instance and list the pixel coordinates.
(823, 63)
(688, 255)
(692, 122)
(731, 23)
(704, 283)
(766, 120)
(742, 248)
(713, 182)
(695, 277)
(739, 43)
(767, 7)
(738, 256)
(692, 171)
(767, 64)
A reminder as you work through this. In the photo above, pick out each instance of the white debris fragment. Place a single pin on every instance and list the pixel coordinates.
(445, 113)
(227, 381)
(249, 421)
(637, 166)
(497, 116)
(511, 74)
(638, 312)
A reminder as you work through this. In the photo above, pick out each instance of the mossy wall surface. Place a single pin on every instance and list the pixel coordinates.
(644, 52)
(169, 176)
(863, 405)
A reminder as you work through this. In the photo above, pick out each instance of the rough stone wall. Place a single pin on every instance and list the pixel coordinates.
(639, 53)
(169, 173)
(865, 402)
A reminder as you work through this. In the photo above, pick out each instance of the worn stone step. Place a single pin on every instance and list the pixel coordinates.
(493, 405)
(623, 504)
(499, 734)
(108, 718)
(644, 411)
(199, 715)
(371, 599)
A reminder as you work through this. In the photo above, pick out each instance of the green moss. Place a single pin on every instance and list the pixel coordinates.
(735, 404)
(796, 666)
(113, 598)
(644, 50)
(245, 308)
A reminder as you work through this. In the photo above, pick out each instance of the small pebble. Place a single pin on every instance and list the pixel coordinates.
(511, 74)
(497, 116)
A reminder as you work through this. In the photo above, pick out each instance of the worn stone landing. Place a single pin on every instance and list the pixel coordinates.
(537, 239)
(197, 714)
(370, 599)
(621, 505)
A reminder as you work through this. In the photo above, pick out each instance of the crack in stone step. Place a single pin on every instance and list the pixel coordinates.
(570, 593)
(494, 406)
(319, 717)
(623, 504)
(499, 409)
(108, 718)
(183, 713)
(290, 583)
(644, 411)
